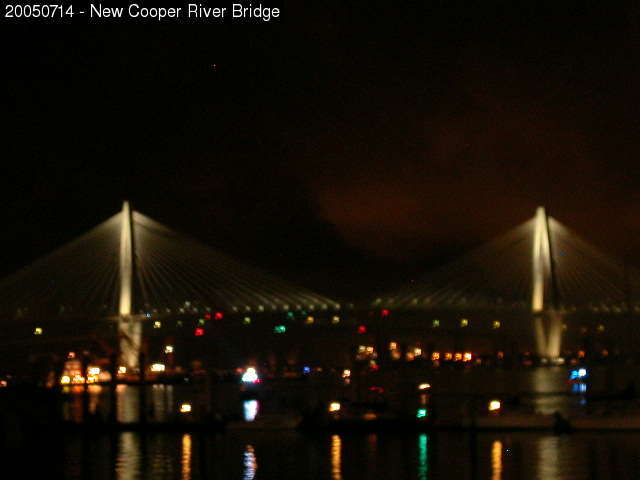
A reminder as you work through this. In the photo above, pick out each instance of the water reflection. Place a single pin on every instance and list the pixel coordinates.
(548, 457)
(423, 456)
(496, 460)
(186, 457)
(250, 408)
(250, 463)
(295, 456)
(336, 457)
(129, 455)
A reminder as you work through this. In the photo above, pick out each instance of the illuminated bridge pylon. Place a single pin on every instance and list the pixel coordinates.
(131, 269)
(539, 270)
(547, 323)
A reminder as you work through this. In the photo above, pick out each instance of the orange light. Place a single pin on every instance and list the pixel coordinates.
(581, 354)
(435, 356)
(466, 357)
(457, 357)
(448, 356)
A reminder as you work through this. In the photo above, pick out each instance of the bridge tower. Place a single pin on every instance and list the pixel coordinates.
(544, 295)
(129, 326)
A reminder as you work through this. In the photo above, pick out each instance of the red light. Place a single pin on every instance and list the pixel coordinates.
(362, 329)
(218, 316)
(199, 332)
(377, 389)
(207, 316)
(375, 368)
(385, 313)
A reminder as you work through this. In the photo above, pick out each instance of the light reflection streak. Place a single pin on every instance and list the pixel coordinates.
(423, 466)
(186, 457)
(496, 460)
(250, 463)
(128, 461)
(250, 408)
(336, 457)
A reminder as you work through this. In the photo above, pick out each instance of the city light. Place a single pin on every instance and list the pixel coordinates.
(246, 321)
(157, 324)
(37, 331)
(334, 407)
(279, 329)
(199, 332)
(494, 405)
(158, 367)
(362, 329)
(424, 386)
(185, 408)
(122, 370)
(65, 379)
(218, 316)
(168, 349)
(250, 376)
(578, 373)
(422, 413)
(335, 319)
(310, 320)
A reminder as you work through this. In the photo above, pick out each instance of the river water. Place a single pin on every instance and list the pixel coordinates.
(249, 455)
(296, 456)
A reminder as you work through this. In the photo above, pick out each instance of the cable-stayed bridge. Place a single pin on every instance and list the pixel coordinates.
(131, 267)
(540, 267)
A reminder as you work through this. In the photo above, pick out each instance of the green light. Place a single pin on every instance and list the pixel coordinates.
(247, 320)
(421, 413)
(201, 321)
(289, 314)
(279, 329)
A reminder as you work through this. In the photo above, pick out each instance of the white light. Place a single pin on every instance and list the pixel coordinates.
(185, 408)
(250, 410)
(122, 369)
(494, 405)
(65, 379)
(250, 376)
(334, 407)
(168, 349)
(94, 370)
(157, 367)
(424, 386)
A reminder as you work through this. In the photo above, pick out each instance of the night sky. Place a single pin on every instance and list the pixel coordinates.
(346, 147)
